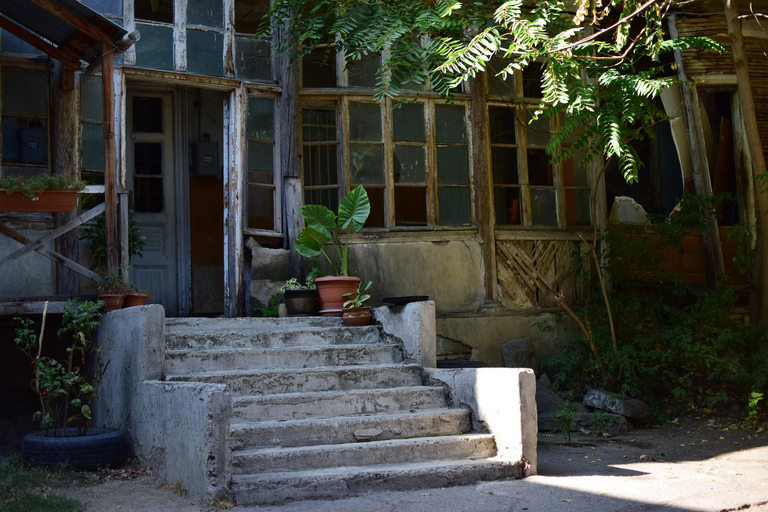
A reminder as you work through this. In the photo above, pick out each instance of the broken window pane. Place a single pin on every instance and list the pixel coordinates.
(153, 10)
(25, 92)
(502, 123)
(366, 162)
(205, 53)
(450, 123)
(364, 121)
(12, 44)
(575, 174)
(91, 104)
(253, 59)
(452, 165)
(148, 194)
(408, 122)
(376, 198)
(156, 47)
(538, 130)
(543, 207)
(261, 118)
(92, 141)
(261, 158)
(410, 206)
(147, 114)
(362, 72)
(497, 84)
(507, 205)
(207, 13)
(261, 207)
(454, 206)
(539, 168)
(248, 15)
(410, 164)
(577, 207)
(319, 68)
(504, 161)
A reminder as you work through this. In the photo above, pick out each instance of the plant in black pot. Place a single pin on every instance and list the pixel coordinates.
(65, 395)
(300, 300)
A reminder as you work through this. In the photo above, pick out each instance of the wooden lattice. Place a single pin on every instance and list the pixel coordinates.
(528, 270)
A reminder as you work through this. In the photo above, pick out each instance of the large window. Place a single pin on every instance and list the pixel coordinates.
(24, 121)
(263, 201)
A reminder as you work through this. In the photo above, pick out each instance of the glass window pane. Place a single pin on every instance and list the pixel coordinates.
(504, 161)
(452, 165)
(318, 125)
(364, 121)
(507, 205)
(543, 207)
(532, 80)
(148, 195)
(450, 123)
(148, 158)
(114, 7)
(410, 165)
(319, 68)
(248, 15)
(261, 207)
(12, 44)
(92, 141)
(205, 53)
(376, 198)
(147, 114)
(502, 125)
(454, 206)
(25, 92)
(208, 13)
(156, 47)
(362, 73)
(408, 122)
(153, 10)
(410, 206)
(498, 85)
(320, 165)
(326, 197)
(261, 118)
(253, 59)
(577, 207)
(260, 157)
(366, 164)
(91, 104)
(538, 130)
(11, 131)
(539, 168)
(575, 174)
(25, 140)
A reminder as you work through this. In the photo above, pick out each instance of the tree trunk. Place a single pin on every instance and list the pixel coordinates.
(747, 103)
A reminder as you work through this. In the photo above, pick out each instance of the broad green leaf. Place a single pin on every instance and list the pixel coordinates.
(354, 209)
(320, 218)
(86, 411)
(310, 242)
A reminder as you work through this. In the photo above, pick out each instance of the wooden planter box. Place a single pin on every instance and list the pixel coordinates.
(48, 201)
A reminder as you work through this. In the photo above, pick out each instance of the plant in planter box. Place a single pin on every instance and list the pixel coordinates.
(355, 311)
(41, 193)
(324, 227)
(66, 395)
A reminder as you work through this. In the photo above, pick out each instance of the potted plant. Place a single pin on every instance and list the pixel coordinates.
(65, 395)
(323, 226)
(300, 300)
(42, 193)
(112, 291)
(356, 313)
(135, 296)
(96, 234)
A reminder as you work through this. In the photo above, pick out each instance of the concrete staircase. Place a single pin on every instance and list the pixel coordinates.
(326, 411)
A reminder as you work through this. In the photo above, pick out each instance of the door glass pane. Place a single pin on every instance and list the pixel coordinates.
(454, 206)
(260, 157)
(208, 13)
(362, 73)
(261, 207)
(205, 53)
(452, 165)
(408, 122)
(364, 121)
(538, 130)
(410, 164)
(253, 59)
(539, 168)
(450, 123)
(543, 207)
(319, 68)
(148, 194)
(507, 205)
(147, 115)
(92, 141)
(502, 125)
(261, 118)
(148, 158)
(156, 47)
(410, 206)
(366, 164)
(504, 161)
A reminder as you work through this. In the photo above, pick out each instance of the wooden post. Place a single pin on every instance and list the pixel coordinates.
(110, 160)
(759, 303)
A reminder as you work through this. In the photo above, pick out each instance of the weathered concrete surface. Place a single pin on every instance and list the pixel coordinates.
(180, 429)
(270, 269)
(519, 353)
(504, 399)
(414, 325)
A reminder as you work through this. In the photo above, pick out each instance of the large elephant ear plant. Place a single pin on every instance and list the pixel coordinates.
(324, 226)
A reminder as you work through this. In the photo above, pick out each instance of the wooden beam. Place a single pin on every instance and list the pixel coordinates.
(86, 26)
(65, 58)
(110, 155)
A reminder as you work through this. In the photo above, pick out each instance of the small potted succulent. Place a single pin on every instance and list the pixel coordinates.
(112, 291)
(136, 296)
(300, 300)
(356, 313)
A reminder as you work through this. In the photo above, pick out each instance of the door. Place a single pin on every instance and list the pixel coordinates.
(150, 178)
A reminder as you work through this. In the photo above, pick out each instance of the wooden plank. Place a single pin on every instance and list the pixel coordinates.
(520, 293)
(549, 234)
(110, 158)
(33, 245)
(62, 56)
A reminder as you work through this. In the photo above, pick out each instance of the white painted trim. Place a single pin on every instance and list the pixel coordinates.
(180, 35)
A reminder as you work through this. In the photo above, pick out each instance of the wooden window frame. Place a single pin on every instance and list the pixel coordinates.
(277, 186)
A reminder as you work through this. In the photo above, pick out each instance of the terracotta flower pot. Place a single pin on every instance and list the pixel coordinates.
(135, 299)
(356, 317)
(48, 201)
(331, 291)
(112, 301)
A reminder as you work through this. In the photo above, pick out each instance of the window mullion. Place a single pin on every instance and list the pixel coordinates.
(522, 165)
(343, 138)
(431, 138)
(557, 178)
(389, 178)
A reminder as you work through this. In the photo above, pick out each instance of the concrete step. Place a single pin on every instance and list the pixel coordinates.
(263, 382)
(342, 482)
(328, 404)
(190, 361)
(252, 323)
(393, 451)
(339, 430)
(221, 337)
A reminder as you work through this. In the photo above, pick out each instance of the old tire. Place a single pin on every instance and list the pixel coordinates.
(100, 448)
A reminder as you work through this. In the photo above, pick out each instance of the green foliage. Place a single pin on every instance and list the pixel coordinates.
(564, 419)
(600, 421)
(357, 299)
(753, 405)
(96, 234)
(271, 309)
(324, 226)
(28, 489)
(113, 283)
(64, 392)
(30, 186)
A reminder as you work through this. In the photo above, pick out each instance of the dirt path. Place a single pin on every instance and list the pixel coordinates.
(698, 465)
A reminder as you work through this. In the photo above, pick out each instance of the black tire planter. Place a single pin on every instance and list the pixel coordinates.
(100, 448)
(301, 302)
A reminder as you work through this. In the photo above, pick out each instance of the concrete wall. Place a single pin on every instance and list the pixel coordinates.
(32, 275)
(180, 429)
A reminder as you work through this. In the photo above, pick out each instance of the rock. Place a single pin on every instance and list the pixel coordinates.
(518, 353)
(367, 434)
(636, 410)
(263, 289)
(580, 407)
(270, 264)
(627, 211)
(613, 423)
(544, 381)
(547, 402)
